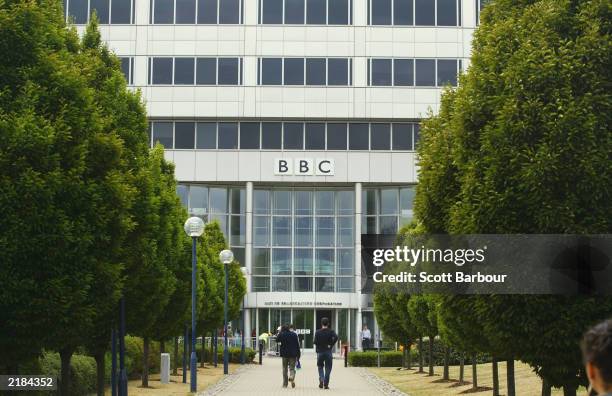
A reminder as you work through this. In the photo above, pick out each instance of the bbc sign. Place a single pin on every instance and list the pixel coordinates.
(303, 167)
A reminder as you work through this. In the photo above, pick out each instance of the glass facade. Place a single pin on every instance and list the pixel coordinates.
(385, 210)
(303, 240)
(224, 204)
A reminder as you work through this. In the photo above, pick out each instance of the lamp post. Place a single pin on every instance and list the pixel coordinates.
(194, 227)
(226, 257)
(245, 273)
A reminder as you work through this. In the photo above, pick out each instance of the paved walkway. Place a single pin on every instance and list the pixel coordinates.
(267, 380)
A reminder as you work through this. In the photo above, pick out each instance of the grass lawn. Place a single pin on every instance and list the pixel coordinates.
(206, 377)
(415, 384)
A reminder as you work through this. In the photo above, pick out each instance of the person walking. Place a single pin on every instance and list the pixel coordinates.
(289, 352)
(597, 355)
(325, 339)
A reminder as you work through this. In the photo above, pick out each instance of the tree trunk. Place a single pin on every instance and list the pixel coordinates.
(510, 377)
(175, 366)
(546, 388)
(474, 373)
(431, 362)
(409, 357)
(569, 390)
(212, 347)
(65, 356)
(421, 355)
(202, 354)
(99, 356)
(462, 368)
(495, 377)
(145, 362)
(162, 346)
(446, 375)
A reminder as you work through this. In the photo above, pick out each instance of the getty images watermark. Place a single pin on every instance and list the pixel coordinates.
(488, 264)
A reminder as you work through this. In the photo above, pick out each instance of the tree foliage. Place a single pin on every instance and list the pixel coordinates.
(523, 146)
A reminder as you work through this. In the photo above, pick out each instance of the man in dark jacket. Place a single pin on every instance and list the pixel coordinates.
(290, 352)
(325, 339)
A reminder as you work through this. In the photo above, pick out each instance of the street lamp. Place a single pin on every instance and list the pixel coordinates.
(245, 273)
(226, 257)
(194, 227)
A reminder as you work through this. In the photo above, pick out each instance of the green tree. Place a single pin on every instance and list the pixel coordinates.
(527, 151)
(213, 279)
(422, 310)
(66, 195)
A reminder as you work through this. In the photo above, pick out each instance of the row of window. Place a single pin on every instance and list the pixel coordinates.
(284, 135)
(294, 12)
(197, 11)
(311, 12)
(108, 11)
(303, 284)
(385, 210)
(415, 12)
(198, 71)
(299, 71)
(413, 72)
(304, 71)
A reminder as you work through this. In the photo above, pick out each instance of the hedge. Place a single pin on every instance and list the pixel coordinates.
(234, 354)
(82, 371)
(370, 359)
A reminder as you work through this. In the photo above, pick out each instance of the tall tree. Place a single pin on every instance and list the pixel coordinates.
(66, 195)
(524, 144)
(422, 310)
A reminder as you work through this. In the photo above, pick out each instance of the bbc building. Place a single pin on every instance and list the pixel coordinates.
(294, 124)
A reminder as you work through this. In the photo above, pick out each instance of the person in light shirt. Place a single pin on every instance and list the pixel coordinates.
(366, 337)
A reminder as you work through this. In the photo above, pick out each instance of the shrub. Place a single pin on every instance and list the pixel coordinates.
(370, 359)
(82, 371)
(133, 356)
(234, 354)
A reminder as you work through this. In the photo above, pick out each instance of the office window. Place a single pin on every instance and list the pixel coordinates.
(315, 136)
(272, 11)
(127, 68)
(206, 135)
(447, 13)
(162, 71)
(294, 11)
(315, 71)
(425, 72)
(228, 71)
(271, 71)
(78, 11)
(249, 135)
(183, 71)
(121, 12)
(293, 136)
(337, 71)
(163, 11)
(294, 71)
(162, 133)
(425, 12)
(229, 11)
(416, 132)
(358, 136)
(184, 135)
(402, 136)
(206, 71)
(207, 11)
(381, 72)
(336, 136)
(271, 135)
(380, 11)
(228, 135)
(403, 72)
(447, 72)
(338, 12)
(101, 7)
(402, 12)
(380, 136)
(316, 12)
(185, 11)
